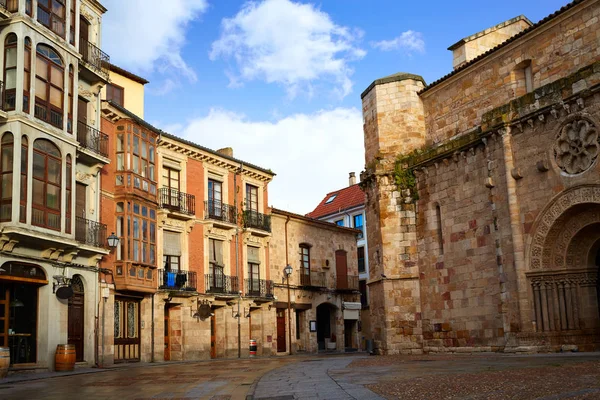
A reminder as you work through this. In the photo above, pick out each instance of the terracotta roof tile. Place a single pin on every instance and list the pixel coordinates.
(349, 197)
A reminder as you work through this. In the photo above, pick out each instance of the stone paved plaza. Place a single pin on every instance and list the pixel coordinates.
(358, 376)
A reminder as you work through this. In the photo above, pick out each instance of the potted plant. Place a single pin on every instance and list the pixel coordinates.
(332, 344)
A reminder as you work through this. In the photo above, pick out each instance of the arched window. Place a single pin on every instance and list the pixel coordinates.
(6, 173)
(46, 185)
(27, 75)
(10, 71)
(71, 92)
(49, 86)
(68, 193)
(24, 164)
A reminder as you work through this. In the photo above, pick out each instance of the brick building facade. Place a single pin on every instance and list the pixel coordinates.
(483, 193)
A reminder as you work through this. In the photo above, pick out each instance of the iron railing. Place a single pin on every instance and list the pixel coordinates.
(95, 57)
(312, 278)
(254, 219)
(10, 5)
(43, 112)
(177, 201)
(90, 232)
(349, 283)
(215, 209)
(177, 280)
(259, 288)
(221, 283)
(92, 139)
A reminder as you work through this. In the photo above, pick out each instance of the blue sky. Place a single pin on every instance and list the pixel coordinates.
(280, 80)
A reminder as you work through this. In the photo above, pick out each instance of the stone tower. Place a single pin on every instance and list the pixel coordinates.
(393, 126)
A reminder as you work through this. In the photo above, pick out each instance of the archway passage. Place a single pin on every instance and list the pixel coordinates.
(326, 332)
(76, 317)
(564, 270)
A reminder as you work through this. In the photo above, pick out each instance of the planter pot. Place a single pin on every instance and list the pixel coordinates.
(331, 346)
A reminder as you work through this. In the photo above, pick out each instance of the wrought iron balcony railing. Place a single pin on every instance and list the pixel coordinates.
(254, 219)
(95, 57)
(221, 284)
(177, 201)
(90, 232)
(312, 278)
(349, 282)
(214, 209)
(259, 288)
(92, 139)
(177, 280)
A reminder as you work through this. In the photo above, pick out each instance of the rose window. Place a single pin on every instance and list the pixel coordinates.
(576, 146)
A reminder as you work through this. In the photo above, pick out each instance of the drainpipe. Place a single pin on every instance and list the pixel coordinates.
(152, 332)
(103, 314)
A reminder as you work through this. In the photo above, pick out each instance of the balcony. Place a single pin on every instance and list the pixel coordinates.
(135, 278)
(89, 232)
(255, 220)
(348, 282)
(95, 59)
(259, 288)
(220, 212)
(221, 284)
(179, 203)
(312, 278)
(92, 140)
(177, 280)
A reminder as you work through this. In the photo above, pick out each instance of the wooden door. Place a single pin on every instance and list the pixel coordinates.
(341, 269)
(84, 34)
(167, 335)
(82, 110)
(4, 315)
(213, 336)
(76, 324)
(281, 345)
(80, 190)
(127, 330)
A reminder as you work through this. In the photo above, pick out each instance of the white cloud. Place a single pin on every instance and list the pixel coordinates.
(409, 41)
(147, 35)
(292, 44)
(310, 153)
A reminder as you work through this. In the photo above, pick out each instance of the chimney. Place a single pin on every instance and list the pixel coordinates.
(226, 151)
(352, 179)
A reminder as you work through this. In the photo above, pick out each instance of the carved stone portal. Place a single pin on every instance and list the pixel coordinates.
(576, 147)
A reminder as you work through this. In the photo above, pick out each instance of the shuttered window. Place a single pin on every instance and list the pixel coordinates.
(172, 243)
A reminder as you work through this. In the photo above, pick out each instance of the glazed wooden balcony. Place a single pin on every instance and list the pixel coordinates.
(255, 220)
(312, 278)
(177, 280)
(91, 233)
(259, 288)
(221, 284)
(218, 211)
(135, 278)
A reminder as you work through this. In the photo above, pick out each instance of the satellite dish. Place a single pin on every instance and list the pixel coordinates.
(64, 292)
(204, 311)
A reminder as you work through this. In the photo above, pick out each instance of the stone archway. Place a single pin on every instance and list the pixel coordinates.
(562, 272)
(326, 326)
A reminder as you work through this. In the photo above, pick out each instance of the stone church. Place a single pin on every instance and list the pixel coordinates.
(483, 193)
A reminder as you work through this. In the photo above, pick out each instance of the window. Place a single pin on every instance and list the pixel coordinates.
(362, 288)
(46, 185)
(49, 86)
(358, 224)
(214, 198)
(72, 23)
(170, 181)
(51, 14)
(29, 7)
(522, 78)
(251, 198)
(136, 226)
(440, 236)
(331, 198)
(253, 270)
(115, 94)
(172, 251)
(70, 105)
(339, 222)
(10, 71)
(27, 76)
(360, 252)
(6, 174)
(305, 264)
(68, 194)
(24, 164)
(135, 152)
(215, 265)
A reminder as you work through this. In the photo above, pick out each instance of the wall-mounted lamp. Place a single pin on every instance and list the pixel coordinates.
(113, 241)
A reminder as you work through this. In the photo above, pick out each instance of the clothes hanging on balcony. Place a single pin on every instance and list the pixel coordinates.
(171, 278)
(181, 280)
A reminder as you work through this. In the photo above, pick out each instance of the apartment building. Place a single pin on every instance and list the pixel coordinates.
(51, 237)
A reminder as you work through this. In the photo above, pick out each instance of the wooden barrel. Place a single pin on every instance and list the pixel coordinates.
(64, 359)
(252, 348)
(4, 361)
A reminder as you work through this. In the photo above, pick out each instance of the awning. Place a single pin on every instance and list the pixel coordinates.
(351, 305)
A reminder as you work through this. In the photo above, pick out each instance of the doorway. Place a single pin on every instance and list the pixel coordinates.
(326, 335)
(349, 338)
(167, 335)
(84, 35)
(127, 330)
(281, 344)
(341, 269)
(76, 318)
(213, 336)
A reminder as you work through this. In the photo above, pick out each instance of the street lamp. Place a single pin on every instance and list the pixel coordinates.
(287, 271)
(113, 241)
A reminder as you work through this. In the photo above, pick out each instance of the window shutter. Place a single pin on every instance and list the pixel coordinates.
(172, 244)
(215, 251)
(253, 255)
